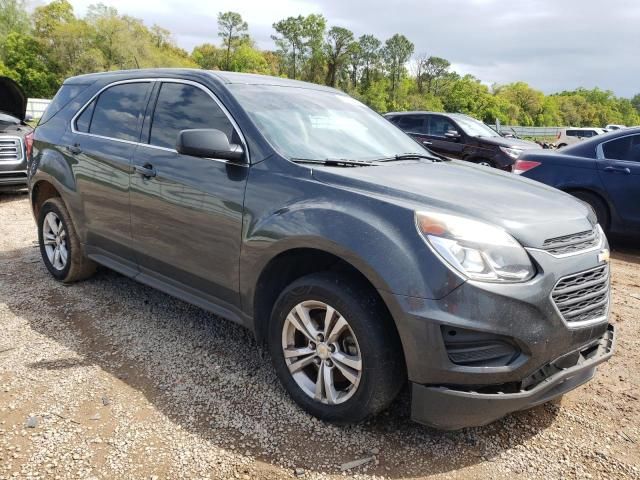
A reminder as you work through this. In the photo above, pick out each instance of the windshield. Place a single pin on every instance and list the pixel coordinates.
(475, 128)
(302, 123)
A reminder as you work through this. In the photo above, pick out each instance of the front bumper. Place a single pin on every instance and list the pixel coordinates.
(452, 409)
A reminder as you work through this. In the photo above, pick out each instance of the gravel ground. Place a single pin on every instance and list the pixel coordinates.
(111, 379)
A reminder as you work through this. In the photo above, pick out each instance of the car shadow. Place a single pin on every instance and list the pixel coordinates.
(625, 249)
(206, 376)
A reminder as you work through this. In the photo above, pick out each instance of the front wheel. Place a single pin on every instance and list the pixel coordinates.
(335, 349)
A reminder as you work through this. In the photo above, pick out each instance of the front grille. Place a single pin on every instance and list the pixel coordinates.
(584, 296)
(10, 150)
(572, 243)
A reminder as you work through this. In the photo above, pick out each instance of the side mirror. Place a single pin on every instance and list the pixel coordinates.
(208, 143)
(453, 134)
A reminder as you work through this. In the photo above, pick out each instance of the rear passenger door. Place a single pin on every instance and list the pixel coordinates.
(187, 217)
(619, 170)
(106, 133)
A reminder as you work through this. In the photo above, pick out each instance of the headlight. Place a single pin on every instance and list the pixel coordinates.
(512, 152)
(476, 249)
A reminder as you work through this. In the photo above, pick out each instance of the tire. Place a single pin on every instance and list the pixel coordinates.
(562, 145)
(484, 162)
(370, 336)
(72, 266)
(598, 206)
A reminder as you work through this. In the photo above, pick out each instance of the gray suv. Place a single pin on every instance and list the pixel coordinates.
(358, 258)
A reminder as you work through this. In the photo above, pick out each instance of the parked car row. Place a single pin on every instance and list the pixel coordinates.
(358, 257)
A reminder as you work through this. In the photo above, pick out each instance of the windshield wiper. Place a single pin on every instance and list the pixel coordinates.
(413, 156)
(336, 162)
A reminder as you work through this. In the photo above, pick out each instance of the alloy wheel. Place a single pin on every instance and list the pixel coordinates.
(54, 237)
(321, 352)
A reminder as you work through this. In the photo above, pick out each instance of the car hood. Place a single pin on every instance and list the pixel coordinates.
(12, 98)
(511, 142)
(528, 210)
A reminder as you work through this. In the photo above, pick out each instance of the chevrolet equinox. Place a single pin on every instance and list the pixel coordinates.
(357, 257)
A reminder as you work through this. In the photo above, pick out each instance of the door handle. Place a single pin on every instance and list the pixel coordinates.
(618, 169)
(426, 142)
(74, 149)
(146, 170)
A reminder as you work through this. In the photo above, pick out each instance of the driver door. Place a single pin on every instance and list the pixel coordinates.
(186, 212)
(437, 127)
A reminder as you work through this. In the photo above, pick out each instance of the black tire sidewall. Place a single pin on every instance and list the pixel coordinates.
(344, 300)
(47, 207)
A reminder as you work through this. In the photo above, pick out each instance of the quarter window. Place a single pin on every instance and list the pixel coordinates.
(119, 110)
(184, 107)
(625, 148)
(83, 122)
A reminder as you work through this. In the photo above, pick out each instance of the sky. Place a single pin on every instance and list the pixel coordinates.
(553, 45)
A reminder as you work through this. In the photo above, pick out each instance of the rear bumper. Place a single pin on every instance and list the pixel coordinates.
(448, 408)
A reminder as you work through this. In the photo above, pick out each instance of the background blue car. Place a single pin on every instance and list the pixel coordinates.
(603, 171)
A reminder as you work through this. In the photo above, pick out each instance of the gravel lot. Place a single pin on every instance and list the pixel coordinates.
(111, 379)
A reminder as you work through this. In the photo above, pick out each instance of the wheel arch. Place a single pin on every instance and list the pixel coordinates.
(292, 264)
(605, 201)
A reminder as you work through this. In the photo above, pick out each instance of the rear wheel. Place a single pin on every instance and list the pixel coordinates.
(59, 244)
(334, 349)
(598, 206)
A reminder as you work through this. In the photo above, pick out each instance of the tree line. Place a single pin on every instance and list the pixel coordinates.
(40, 49)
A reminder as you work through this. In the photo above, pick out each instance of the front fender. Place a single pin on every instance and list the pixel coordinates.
(376, 237)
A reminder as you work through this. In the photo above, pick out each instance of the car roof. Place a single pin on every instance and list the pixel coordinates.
(590, 143)
(226, 78)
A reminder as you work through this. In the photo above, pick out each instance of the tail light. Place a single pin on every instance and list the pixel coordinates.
(28, 144)
(522, 166)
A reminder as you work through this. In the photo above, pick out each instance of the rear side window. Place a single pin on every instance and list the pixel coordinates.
(572, 133)
(64, 96)
(411, 123)
(184, 107)
(118, 111)
(625, 148)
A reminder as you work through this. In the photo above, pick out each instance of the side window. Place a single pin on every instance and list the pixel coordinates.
(118, 111)
(83, 122)
(412, 123)
(572, 133)
(183, 107)
(625, 148)
(438, 126)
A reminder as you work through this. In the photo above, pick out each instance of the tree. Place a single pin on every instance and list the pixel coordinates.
(337, 48)
(13, 18)
(47, 18)
(300, 43)
(369, 47)
(396, 53)
(291, 41)
(28, 65)
(232, 29)
(207, 56)
(434, 70)
(635, 101)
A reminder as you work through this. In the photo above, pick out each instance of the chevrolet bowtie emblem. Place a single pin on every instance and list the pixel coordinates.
(604, 255)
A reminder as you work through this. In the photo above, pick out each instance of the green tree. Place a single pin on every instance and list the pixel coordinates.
(207, 56)
(369, 47)
(29, 66)
(396, 53)
(435, 70)
(338, 48)
(13, 18)
(47, 18)
(300, 41)
(233, 30)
